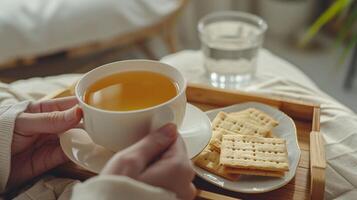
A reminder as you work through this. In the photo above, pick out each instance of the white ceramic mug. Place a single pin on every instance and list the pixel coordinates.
(116, 130)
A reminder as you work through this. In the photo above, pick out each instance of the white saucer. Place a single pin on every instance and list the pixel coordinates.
(78, 146)
(257, 184)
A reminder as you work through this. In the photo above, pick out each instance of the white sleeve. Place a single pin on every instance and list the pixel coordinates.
(8, 114)
(10, 95)
(107, 187)
(12, 102)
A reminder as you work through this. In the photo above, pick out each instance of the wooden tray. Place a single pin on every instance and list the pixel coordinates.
(309, 181)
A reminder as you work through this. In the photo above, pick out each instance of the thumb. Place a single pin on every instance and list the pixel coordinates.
(51, 122)
(134, 159)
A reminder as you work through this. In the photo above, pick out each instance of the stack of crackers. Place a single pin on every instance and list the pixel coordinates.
(243, 143)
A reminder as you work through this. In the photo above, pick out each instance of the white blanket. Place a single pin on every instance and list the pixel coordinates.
(274, 77)
(36, 27)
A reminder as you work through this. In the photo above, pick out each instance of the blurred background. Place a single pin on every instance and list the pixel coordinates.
(45, 38)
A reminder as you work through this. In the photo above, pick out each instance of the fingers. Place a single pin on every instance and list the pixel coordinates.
(133, 160)
(36, 161)
(59, 104)
(174, 164)
(154, 144)
(190, 192)
(163, 177)
(185, 191)
(47, 123)
(177, 150)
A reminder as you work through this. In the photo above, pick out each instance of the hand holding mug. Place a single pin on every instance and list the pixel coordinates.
(157, 159)
(35, 145)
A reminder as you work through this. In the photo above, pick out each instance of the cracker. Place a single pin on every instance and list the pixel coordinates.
(255, 172)
(209, 160)
(213, 146)
(238, 125)
(252, 152)
(271, 135)
(216, 139)
(258, 116)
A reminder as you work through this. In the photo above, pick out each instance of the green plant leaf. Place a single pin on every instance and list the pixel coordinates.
(325, 17)
(347, 49)
(346, 27)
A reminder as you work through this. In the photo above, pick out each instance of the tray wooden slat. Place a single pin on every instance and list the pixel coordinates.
(220, 98)
(310, 176)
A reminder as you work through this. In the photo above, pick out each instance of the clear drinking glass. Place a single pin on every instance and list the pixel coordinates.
(230, 43)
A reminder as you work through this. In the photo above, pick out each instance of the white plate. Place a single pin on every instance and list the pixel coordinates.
(258, 184)
(78, 146)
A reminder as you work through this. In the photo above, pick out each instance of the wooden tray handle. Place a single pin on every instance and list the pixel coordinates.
(317, 165)
(206, 195)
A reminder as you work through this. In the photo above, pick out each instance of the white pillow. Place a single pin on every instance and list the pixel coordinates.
(35, 27)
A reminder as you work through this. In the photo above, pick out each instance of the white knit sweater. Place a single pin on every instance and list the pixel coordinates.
(12, 103)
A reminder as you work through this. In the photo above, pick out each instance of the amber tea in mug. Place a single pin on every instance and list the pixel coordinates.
(131, 90)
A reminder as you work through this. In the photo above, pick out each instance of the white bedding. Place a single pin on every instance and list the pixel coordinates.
(275, 77)
(35, 27)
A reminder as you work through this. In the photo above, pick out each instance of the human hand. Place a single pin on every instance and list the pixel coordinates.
(35, 145)
(160, 159)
